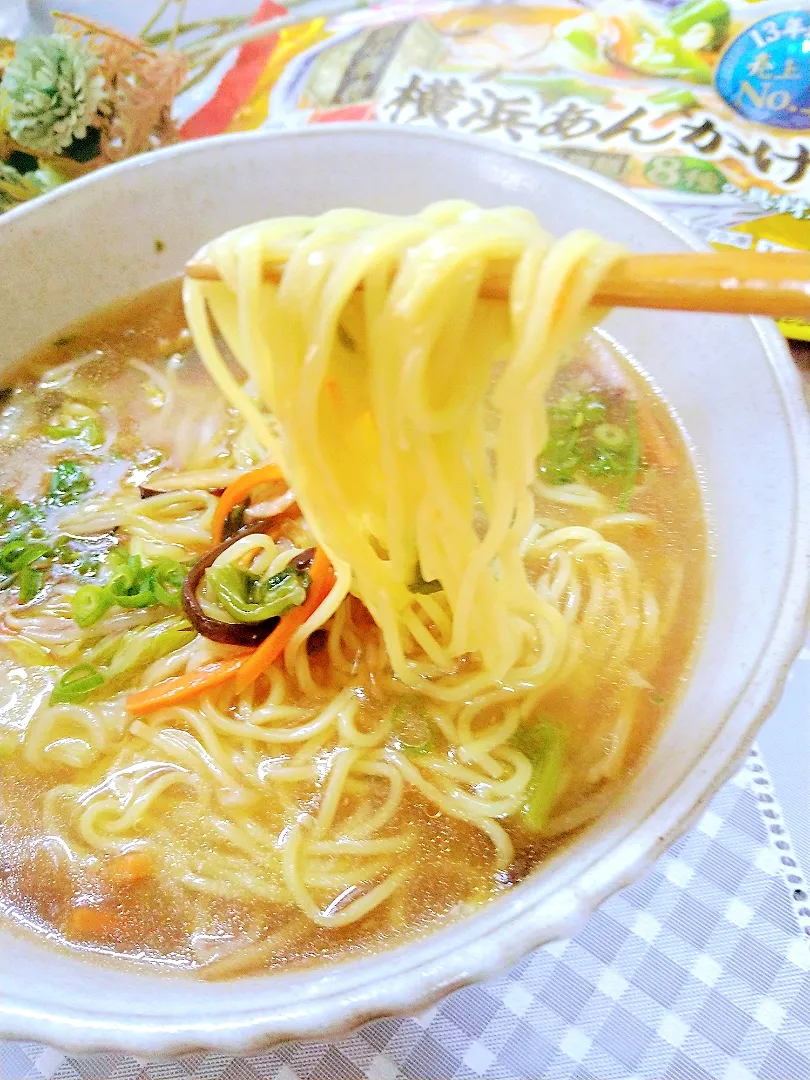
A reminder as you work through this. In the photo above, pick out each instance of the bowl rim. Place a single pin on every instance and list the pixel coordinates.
(413, 983)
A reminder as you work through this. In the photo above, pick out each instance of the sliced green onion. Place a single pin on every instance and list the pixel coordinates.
(11, 553)
(168, 578)
(583, 443)
(131, 585)
(593, 409)
(125, 567)
(119, 557)
(543, 745)
(610, 435)
(411, 727)
(30, 584)
(76, 684)
(14, 514)
(7, 507)
(89, 604)
(93, 433)
(714, 12)
(139, 595)
(19, 553)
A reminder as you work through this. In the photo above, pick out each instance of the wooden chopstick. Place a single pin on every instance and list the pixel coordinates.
(738, 282)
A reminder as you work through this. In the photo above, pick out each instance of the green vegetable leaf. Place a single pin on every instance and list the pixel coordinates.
(145, 644)
(76, 684)
(87, 428)
(411, 727)
(120, 658)
(234, 521)
(543, 744)
(247, 599)
(68, 483)
(584, 42)
(422, 587)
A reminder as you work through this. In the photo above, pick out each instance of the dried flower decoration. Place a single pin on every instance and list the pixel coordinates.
(88, 95)
(140, 85)
(51, 92)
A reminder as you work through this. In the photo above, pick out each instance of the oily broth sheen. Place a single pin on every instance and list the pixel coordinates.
(451, 864)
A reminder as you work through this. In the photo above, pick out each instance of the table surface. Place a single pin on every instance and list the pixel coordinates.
(701, 970)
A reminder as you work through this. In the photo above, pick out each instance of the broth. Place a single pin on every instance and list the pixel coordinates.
(121, 402)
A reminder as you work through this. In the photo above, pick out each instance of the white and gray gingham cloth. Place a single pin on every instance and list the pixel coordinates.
(700, 971)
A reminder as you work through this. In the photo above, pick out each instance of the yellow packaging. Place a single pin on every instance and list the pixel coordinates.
(702, 106)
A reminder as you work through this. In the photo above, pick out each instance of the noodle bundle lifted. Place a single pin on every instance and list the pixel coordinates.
(410, 411)
(339, 586)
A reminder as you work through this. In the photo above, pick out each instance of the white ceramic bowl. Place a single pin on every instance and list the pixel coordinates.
(730, 380)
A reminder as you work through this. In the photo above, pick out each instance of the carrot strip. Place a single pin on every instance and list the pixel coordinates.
(238, 491)
(246, 669)
(92, 922)
(322, 577)
(130, 867)
(182, 687)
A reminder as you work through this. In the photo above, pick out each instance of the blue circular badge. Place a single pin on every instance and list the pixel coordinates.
(765, 72)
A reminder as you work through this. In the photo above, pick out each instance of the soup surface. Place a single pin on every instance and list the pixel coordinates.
(175, 836)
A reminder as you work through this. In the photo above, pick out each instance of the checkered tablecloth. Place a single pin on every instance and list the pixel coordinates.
(702, 970)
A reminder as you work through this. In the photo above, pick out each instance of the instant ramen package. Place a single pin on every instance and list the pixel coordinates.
(702, 106)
